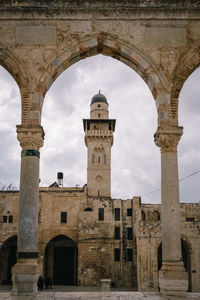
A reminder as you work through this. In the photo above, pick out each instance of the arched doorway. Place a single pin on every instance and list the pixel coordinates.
(186, 261)
(61, 261)
(7, 259)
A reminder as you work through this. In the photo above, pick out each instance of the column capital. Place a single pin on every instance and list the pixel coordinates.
(30, 137)
(167, 138)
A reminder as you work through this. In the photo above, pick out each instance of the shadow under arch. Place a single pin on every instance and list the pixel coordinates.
(186, 256)
(107, 45)
(8, 259)
(61, 261)
(16, 69)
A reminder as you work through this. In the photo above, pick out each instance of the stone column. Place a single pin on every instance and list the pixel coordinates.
(172, 277)
(25, 272)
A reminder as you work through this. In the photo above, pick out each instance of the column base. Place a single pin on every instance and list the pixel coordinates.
(173, 279)
(24, 277)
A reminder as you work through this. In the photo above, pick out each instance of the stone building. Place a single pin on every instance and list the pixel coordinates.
(84, 235)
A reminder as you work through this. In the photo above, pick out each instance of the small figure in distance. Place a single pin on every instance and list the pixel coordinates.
(48, 282)
(40, 283)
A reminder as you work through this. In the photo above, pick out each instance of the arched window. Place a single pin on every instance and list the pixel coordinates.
(155, 216)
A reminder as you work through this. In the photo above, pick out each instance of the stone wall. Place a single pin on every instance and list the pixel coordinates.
(95, 239)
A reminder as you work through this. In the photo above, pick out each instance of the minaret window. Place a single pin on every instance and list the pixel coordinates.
(99, 160)
(99, 115)
(99, 105)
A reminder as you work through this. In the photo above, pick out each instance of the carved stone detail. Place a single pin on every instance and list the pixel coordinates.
(168, 138)
(30, 137)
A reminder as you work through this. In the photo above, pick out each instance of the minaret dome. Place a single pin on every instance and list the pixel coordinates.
(99, 107)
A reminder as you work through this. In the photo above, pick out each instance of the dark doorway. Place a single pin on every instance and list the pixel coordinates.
(7, 259)
(64, 265)
(61, 261)
(186, 261)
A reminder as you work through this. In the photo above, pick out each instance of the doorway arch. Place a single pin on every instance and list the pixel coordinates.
(8, 259)
(61, 261)
(186, 256)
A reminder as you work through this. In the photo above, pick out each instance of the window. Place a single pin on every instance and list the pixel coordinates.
(116, 254)
(92, 158)
(5, 219)
(129, 212)
(129, 254)
(117, 233)
(104, 159)
(99, 105)
(88, 209)
(99, 160)
(10, 219)
(189, 219)
(129, 233)
(117, 214)
(63, 217)
(99, 115)
(101, 214)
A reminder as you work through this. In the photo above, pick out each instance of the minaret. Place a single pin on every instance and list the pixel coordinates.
(99, 140)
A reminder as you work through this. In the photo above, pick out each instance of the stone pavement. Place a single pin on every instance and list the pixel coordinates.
(89, 293)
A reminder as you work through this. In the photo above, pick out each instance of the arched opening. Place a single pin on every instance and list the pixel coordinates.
(130, 102)
(7, 259)
(186, 256)
(10, 114)
(155, 216)
(189, 154)
(61, 261)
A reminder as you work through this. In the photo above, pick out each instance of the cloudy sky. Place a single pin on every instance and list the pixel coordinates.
(135, 158)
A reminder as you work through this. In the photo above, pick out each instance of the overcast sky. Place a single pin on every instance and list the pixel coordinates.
(135, 158)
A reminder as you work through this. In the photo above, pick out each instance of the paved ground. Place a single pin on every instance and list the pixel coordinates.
(90, 293)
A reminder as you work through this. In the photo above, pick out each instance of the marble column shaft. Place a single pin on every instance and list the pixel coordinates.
(31, 139)
(167, 139)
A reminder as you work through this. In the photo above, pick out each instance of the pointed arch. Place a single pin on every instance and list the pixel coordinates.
(108, 45)
(15, 67)
(185, 67)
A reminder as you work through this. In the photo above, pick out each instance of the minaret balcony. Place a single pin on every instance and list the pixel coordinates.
(101, 133)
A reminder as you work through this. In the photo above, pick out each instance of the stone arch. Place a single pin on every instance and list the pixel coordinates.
(186, 256)
(185, 67)
(108, 45)
(60, 252)
(8, 259)
(16, 70)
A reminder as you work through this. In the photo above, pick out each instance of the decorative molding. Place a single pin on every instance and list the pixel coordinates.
(30, 153)
(30, 137)
(168, 138)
